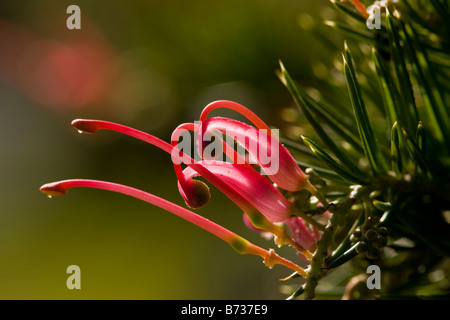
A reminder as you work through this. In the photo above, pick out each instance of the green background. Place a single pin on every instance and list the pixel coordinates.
(152, 65)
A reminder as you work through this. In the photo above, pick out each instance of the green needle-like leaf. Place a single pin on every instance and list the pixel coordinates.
(416, 16)
(324, 173)
(365, 129)
(318, 127)
(432, 99)
(388, 88)
(331, 120)
(396, 155)
(442, 11)
(348, 255)
(299, 149)
(329, 117)
(329, 161)
(420, 137)
(415, 152)
(407, 106)
(367, 37)
(296, 293)
(309, 160)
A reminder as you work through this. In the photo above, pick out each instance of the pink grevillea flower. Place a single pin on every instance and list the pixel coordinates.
(238, 243)
(264, 206)
(306, 236)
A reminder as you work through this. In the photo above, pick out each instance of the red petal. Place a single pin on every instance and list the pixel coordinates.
(274, 159)
(252, 188)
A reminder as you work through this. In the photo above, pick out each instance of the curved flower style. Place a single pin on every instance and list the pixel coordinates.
(238, 243)
(263, 204)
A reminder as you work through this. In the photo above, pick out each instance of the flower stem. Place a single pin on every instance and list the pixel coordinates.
(309, 219)
(317, 263)
(308, 186)
(282, 238)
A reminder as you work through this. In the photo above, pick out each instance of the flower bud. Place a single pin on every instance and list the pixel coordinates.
(380, 242)
(362, 247)
(196, 194)
(383, 231)
(373, 220)
(372, 253)
(371, 234)
(357, 233)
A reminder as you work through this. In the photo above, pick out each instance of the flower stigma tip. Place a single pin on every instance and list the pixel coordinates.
(52, 190)
(85, 126)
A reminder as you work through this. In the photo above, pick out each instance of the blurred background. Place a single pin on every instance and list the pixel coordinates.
(151, 65)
